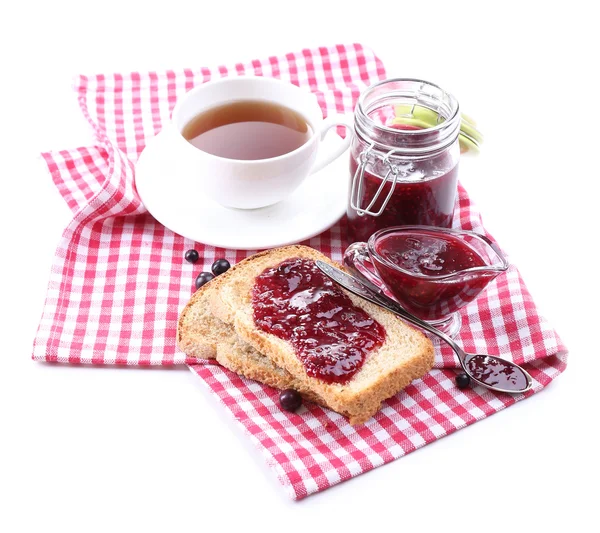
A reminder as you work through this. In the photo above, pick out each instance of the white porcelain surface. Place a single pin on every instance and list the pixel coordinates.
(316, 205)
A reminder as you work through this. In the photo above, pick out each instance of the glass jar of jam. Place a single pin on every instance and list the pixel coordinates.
(403, 157)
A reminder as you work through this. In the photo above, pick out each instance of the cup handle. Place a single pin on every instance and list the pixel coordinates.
(358, 261)
(327, 155)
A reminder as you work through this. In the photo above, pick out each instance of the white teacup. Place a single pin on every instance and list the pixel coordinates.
(249, 184)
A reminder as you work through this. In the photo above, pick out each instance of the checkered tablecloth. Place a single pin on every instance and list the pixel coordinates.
(119, 280)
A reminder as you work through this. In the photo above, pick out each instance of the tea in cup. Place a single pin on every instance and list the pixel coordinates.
(248, 142)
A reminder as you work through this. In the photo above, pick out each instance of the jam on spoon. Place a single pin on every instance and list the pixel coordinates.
(496, 372)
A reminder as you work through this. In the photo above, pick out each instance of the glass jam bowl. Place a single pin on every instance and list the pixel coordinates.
(432, 272)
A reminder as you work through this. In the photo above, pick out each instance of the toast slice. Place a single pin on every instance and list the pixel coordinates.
(405, 355)
(200, 334)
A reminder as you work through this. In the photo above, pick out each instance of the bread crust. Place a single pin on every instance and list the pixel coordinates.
(197, 330)
(241, 358)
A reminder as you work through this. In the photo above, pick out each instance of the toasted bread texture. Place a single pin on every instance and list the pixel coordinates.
(200, 334)
(198, 331)
(241, 358)
(405, 355)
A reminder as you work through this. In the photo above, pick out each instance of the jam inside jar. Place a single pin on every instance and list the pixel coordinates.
(403, 158)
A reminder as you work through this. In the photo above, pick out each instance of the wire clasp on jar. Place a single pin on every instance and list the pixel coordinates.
(356, 189)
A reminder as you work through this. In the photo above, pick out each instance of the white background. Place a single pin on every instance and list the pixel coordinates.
(101, 449)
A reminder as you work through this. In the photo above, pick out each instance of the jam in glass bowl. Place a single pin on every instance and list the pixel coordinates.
(432, 272)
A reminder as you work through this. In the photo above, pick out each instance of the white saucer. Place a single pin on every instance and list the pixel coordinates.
(314, 207)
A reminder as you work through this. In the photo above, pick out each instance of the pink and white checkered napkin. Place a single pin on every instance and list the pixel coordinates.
(119, 280)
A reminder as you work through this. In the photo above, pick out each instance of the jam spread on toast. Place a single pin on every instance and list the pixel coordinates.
(332, 337)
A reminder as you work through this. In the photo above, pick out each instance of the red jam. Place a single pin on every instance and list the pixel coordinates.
(428, 201)
(498, 373)
(424, 195)
(432, 279)
(332, 337)
(428, 255)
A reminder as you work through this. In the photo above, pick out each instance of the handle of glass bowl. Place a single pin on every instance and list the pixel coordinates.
(358, 261)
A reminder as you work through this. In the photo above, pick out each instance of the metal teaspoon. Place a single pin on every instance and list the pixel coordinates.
(488, 371)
